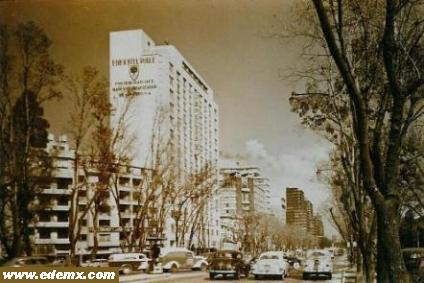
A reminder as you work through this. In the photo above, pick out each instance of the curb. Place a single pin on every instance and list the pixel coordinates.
(144, 279)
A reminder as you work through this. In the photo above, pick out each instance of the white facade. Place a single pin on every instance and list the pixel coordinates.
(247, 193)
(168, 102)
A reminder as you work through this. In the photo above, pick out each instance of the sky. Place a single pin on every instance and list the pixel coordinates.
(229, 43)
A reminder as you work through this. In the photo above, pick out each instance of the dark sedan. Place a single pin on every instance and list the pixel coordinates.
(226, 263)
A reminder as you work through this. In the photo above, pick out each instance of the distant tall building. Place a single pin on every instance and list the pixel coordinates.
(283, 208)
(170, 110)
(318, 227)
(242, 191)
(296, 212)
(300, 213)
(309, 216)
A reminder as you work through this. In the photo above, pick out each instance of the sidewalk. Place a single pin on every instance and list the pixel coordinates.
(143, 277)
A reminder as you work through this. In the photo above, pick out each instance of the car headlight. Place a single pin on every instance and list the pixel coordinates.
(229, 267)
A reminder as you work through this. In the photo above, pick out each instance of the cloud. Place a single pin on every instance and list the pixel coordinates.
(292, 166)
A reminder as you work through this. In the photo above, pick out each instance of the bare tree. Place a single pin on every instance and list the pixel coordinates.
(84, 90)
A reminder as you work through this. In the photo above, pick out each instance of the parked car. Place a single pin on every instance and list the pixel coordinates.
(174, 259)
(95, 263)
(200, 263)
(318, 263)
(228, 262)
(129, 262)
(28, 261)
(252, 262)
(271, 264)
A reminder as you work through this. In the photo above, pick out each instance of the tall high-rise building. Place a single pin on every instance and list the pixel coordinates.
(243, 192)
(283, 208)
(170, 110)
(300, 213)
(296, 213)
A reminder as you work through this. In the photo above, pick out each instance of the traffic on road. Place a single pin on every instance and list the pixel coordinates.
(181, 265)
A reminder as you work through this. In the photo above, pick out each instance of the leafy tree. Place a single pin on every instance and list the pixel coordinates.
(28, 77)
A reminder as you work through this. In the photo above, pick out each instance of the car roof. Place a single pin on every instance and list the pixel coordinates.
(226, 252)
(173, 249)
(128, 254)
(280, 253)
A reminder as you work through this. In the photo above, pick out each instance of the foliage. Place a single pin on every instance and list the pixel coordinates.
(28, 77)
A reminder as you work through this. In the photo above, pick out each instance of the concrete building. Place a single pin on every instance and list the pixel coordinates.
(296, 213)
(170, 110)
(51, 223)
(243, 191)
(300, 213)
(283, 208)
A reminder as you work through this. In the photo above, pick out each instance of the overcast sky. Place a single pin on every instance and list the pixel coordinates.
(227, 42)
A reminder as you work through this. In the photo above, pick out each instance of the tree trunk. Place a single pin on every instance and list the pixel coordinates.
(390, 265)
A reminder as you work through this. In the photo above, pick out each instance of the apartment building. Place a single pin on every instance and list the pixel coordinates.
(296, 214)
(283, 208)
(300, 213)
(51, 223)
(171, 112)
(243, 192)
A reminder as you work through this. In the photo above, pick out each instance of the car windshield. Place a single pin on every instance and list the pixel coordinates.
(317, 254)
(225, 255)
(269, 257)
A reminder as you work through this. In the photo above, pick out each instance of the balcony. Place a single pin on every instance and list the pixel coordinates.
(126, 214)
(51, 224)
(52, 241)
(127, 201)
(59, 207)
(56, 191)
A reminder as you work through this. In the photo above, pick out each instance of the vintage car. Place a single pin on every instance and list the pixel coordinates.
(318, 264)
(129, 262)
(174, 259)
(227, 262)
(271, 264)
(95, 263)
(200, 263)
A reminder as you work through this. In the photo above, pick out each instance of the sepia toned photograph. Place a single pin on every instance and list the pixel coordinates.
(212, 140)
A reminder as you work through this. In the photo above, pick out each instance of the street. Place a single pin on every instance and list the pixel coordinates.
(340, 265)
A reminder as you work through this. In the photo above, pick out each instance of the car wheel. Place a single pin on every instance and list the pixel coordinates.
(305, 276)
(126, 269)
(211, 276)
(174, 268)
(329, 276)
(237, 275)
(256, 277)
(203, 267)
